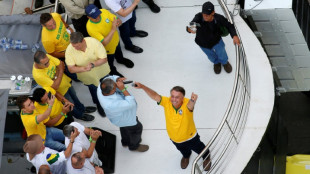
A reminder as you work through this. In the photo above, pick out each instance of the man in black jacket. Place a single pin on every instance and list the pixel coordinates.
(208, 36)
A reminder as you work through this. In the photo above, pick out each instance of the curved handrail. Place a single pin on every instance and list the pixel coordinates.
(229, 132)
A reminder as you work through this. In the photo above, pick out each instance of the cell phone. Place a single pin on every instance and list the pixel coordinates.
(49, 95)
(127, 82)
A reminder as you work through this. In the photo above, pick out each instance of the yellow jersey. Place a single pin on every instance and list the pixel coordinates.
(56, 40)
(31, 124)
(45, 77)
(179, 121)
(99, 30)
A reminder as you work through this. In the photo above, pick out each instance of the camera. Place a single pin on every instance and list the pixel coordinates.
(49, 95)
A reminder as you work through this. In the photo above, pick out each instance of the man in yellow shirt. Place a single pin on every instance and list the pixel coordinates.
(40, 96)
(48, 72)
(33, 122)
(102, 25)
(55, 38)
(180, 122)
(88, 59)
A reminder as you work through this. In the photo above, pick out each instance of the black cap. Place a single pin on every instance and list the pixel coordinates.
(207, 8)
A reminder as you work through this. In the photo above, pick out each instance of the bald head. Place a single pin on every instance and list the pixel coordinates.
(33, 144)
(44, 169)
(78, 160)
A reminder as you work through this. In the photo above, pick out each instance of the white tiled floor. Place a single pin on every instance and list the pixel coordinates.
(170, 58)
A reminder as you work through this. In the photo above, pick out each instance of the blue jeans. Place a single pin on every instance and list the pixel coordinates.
(217, 54)
(194, 144)
(128, 29)
(54, 138)
(79, 108)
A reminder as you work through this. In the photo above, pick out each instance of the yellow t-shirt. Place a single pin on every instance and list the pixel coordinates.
(93, 52)
(56, 40)
(56, 110)
(31, 124)
(102, 28)
(179, 122)
(45, 77)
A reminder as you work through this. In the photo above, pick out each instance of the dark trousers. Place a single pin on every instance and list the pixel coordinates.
(194, 144)
(128, 29)
(93, 91)
(131, 135)
(80, 25)
(118, 55)
(66, 121)
(79, 108)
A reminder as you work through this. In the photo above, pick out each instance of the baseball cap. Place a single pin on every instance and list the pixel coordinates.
(92, 11)
(207, 8)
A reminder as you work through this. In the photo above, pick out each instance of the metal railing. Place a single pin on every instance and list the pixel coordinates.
(227, 136)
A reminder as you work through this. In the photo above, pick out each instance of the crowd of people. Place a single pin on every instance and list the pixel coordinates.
(57, 144)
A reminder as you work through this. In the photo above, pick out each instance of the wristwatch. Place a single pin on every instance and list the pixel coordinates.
(92, 65)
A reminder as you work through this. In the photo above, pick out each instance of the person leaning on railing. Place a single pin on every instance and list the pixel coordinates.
(179, 112)
(209, 27)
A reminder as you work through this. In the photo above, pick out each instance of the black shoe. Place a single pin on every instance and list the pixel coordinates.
(135, 49)
(87, 117)
(154, 8)
(128, 63)
(90, 109)
(33, 169)
(116, 73)
(100, 110)
(38, 3)
(140, 33)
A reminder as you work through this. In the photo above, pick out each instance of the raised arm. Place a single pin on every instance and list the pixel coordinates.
(45, 115)
(192, 101)
(53, 121)
(94, 135)
(151, 93)
(69, 148)
(108, 38)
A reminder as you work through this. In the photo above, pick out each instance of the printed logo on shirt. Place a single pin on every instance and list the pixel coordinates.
(59, 30)
(123, 2)
(52, 158)
(180, 112)
(107, 20)
(51, 72)
(66, 36)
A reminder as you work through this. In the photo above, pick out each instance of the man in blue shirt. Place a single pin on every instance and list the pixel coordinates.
(121, 108)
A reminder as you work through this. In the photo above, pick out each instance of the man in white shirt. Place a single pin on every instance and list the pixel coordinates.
(126, 12)
(39, 155)
(82, 142)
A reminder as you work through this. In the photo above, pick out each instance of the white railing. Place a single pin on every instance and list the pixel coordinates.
(227, 136)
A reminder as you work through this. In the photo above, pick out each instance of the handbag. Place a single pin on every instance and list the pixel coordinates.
(223, 30)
